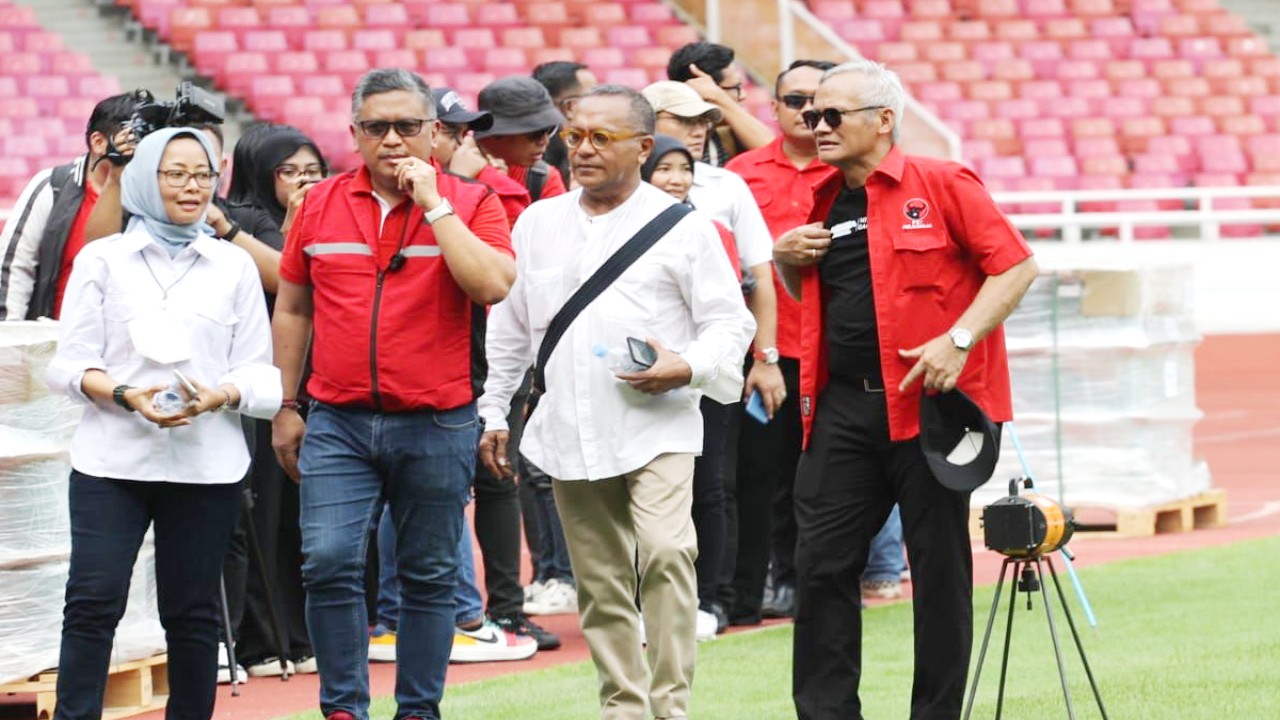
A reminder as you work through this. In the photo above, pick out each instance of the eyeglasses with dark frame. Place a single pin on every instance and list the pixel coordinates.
(178, 179)
(405, 127)
(289, 173)
(795, 101)
(599, 138)
(832, 116)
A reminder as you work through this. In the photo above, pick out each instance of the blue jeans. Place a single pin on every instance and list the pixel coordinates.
(470, 606)
(885, 560)
(193, 525)
(421, 464)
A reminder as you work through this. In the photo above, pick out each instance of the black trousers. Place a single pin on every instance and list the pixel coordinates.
(193, 525)
(766, 528)
(712, 484)
(497, 522)
(846, 486)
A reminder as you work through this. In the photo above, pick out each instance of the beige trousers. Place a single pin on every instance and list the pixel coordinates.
(609, 525)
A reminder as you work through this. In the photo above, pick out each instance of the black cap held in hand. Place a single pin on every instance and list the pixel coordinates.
(960, 443)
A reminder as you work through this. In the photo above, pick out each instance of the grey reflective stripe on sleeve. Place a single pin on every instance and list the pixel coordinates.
(421, 251)
(348, 248)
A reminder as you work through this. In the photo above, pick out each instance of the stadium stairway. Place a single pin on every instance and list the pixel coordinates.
(1263, 17)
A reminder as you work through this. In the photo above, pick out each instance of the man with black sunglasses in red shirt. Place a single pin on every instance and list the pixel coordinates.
(905, 273)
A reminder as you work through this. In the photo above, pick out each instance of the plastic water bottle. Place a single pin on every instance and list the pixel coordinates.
(618, 359)
(168, 402)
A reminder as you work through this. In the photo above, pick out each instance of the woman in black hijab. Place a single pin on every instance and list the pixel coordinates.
(273, 168)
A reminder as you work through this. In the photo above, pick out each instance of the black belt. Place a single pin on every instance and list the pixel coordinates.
(860, 383)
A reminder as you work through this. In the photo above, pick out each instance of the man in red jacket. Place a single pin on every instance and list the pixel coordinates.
(385, 275)
(904, 273)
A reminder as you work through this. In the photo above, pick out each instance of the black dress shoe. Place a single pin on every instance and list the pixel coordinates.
(782, 604)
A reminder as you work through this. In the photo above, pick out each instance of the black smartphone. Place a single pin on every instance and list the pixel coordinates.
(642, 353)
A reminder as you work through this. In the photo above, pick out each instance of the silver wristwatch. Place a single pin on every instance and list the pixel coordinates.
(441, 210)
(961, 338)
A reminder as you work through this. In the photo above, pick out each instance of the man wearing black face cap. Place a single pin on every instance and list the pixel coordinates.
(507, 156)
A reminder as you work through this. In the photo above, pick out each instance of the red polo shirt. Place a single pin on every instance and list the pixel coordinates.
(510, 187)
(934, 236)
(390, 340)
(785, 197)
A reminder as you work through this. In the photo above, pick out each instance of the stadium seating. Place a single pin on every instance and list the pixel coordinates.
(296, 60)
(1063, 91)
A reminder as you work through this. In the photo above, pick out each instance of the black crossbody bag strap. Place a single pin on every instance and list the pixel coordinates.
(611, 270)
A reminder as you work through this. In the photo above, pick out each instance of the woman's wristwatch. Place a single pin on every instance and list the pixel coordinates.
(117, 396)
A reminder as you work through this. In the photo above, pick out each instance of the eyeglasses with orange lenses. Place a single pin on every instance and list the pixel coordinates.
(598, 137)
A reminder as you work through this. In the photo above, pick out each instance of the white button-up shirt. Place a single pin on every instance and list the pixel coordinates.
(215, 294)
(724, 196)
(589, 424)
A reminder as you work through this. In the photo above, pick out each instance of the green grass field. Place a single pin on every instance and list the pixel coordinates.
(1191, 635)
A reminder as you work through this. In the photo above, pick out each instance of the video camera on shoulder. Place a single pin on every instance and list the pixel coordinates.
(194, 106)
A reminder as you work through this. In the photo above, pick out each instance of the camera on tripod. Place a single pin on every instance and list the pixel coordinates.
(193, 106)
(1025, 526)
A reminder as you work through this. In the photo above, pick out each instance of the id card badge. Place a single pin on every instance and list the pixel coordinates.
(161, 335)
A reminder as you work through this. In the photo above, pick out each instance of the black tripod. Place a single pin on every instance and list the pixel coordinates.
(1030, 580)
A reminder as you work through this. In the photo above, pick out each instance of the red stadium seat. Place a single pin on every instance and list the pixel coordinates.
(322, 86)
(268, 93)
(628, 77)
(296, 64)
(603, 58)
(375, 40)
(210, 51)
(347, 64)
(395, 57)
(184, 24)
(240, 69)
(524, 37)
(324, 40)
(293, 20)
(238, 18)
(1136, 132)
(474, 38)
(447, 16)
(265, 41)
(445, 60)
(506, 61)
(628, 37)
(497, 15)
(580, 38)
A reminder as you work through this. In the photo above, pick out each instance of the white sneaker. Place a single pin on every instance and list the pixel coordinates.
(490, 643)
(270, 667)
(224, 668)
(306, 666)
(705, 627)
(556, 598)
(532, 590)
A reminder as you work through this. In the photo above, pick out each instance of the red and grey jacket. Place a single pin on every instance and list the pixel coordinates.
(934, 235)
(391, 335)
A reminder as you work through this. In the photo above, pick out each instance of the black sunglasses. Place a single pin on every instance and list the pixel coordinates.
(795, 101)
(407, 127)
(832, 116)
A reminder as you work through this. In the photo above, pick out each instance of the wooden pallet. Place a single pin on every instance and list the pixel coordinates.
(132, 689)
(1206, 510)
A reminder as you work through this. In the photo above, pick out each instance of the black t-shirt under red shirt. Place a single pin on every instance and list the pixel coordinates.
(853, 345)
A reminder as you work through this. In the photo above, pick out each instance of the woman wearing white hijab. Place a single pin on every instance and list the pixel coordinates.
(162, 295)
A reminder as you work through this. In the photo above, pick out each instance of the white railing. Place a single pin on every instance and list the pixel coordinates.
(1201, 214)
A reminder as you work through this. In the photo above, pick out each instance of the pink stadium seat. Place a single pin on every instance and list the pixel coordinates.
(376, 40)
(72, 64)
(910, 73)
(1067, 28)
(1004, 167)
(1179, 26)
(300, 110)
(1242, 125)
(338, 17)
(1247, 47)
(1068, 108)
(1136, 132)
(268, 93)
(497, 15)
(390, 16)
(967, 110)
(1041, 127)
(990, 90)
(1216, 106)
(650, 14)
(892, 53)
(1177, 147)
(945, 52)
(604, 14)
(1062, 168)
(447, 16)
(931, 9)
(42, 42)
(1017, 109)
(347, 64)
(295, 64)
(28, 146)
(1151, 49)
(970, 31)
(445, 59)
(628, 37)
(1095, 50)
(1090, 147)
(1040, 90)
(938, 92)
(506, 61)
(1118, 70)
(394, 57)
(240, 69)
(999, 131)
(1226, 26)
(1017, 30)
(471, 83)
(1192, 125)
(1113, 165)
(293, 20)
(628, 77)
(524, 37)
(832, 10)
(1139, 88)
(887, 9)
(1125, 107)
(998, 8)
(1149, 164)
(603, 58)
(964, 72)
(1172, 106)
(1014, 71)
(1046, 9)
(537, 56)
(977, 150)
(547, 14)
(1069, 70)
(863, 32)
(1240, 86)
(1173, 69)
(73, 107)
(324, 40)
(580, 38)
(1089, 89)
(921, 31)
(474, 38)
(184, 24)
(1044, 147)
(265, 41)
(322, 86)
(1199, 49)
(238, 18)
(991, 54)
(676, 35)
(650, 58)
(1092, 8)
(210, 51)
